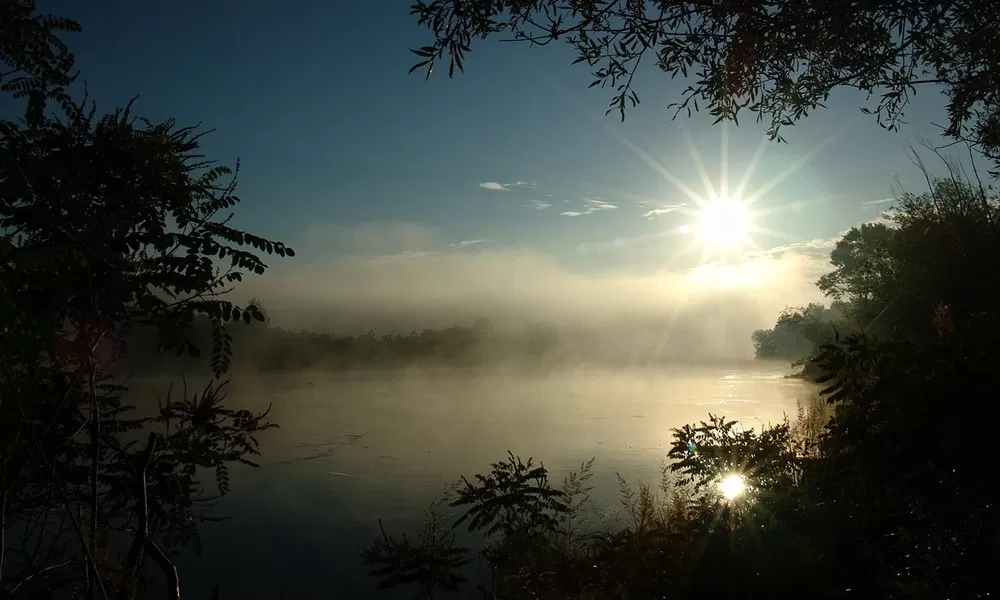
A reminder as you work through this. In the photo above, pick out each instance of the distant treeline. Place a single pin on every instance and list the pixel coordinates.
(799, 331)
(261, 348)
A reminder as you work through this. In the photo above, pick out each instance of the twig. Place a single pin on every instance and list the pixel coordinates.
(38, 572)
(142, 530)
(168, 568)
(142, 540)
(64, 501)
(3, 523)
(95, 457)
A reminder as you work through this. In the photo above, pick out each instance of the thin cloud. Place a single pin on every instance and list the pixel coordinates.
(380, 240)
(496, 186)
(539, 205)
(664, 210)
(590, 205)
(465, 243)
(372, 238)
(813, 246)
(874, 203)
(822, 246)
(595, 204)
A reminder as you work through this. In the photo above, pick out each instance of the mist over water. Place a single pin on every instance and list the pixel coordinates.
(359, 446)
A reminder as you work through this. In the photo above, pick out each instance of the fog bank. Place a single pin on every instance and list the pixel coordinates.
(707, 311)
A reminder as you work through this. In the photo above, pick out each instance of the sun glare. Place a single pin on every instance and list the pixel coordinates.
(732, 486)
(724, 223)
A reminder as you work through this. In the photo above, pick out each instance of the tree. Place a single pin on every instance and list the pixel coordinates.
(798, 332)
(35, 64)
(864, 271)
(916, 508)
(106, 223)
(778, 60)
(931, 256)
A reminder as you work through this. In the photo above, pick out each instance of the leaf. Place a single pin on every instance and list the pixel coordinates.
(418, 65)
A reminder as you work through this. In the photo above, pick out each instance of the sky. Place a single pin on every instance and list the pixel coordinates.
(505, 189)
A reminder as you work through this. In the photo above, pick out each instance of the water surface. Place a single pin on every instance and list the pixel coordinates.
(355, 448)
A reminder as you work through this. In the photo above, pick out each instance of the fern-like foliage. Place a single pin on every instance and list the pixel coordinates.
(515, 497)
(432, 563)
(159, 245)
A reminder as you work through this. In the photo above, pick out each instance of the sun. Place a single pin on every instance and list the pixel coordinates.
(732, 486)
(724, 223)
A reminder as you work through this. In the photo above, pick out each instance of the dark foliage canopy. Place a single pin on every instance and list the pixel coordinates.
(777, 59)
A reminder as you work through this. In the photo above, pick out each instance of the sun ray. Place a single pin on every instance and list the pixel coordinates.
(773, 233)
(724, 161)
(602, 121)
(649, 160)
(780, 208)
(748, 173)
(720, 245)
(797, 164)
(706, 179)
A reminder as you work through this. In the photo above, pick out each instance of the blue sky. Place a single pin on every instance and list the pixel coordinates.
(346, 156)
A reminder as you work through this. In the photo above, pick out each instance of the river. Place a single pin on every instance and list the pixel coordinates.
(355, 448)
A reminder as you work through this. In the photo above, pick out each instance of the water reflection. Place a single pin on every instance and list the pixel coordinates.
(353, 448)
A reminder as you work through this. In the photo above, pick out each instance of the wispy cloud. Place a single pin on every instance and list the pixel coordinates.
(381, 240)
(372, 238)
(665, 209)
(813, 246)
(496, 186)
(594, 204)
(465, 243)
(874, 203)
(590, 205)
(539, 205)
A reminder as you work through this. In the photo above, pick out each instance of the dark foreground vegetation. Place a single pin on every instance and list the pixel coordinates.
(107, 222)
(111, 223)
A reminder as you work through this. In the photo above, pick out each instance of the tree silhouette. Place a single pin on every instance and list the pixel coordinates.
(863, 271)
(798, 332)
(35, 64)
(106, 223)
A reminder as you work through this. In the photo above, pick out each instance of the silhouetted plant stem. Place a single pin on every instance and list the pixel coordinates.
(142, 528)
(38, 572)
(142, 540)
(95, 457)
(64, 502)
(167, 567)
(3, 520)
